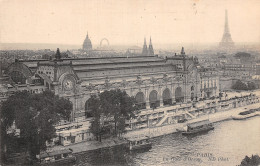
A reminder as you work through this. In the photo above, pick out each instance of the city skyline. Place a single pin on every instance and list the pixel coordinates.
(127, 22)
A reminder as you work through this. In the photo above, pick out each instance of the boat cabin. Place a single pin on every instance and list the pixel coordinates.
(199, 125)
(139, 143)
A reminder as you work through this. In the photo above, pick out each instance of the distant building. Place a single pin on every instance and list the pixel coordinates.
(87, 45)
(148, 51)
(173, 82)
(134, 50)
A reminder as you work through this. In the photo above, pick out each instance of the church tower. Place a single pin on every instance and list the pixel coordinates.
(145, 51)
(150, 50)
(226, 41)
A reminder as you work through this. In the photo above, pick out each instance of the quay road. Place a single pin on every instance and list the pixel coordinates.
(153, 132)
(171, 128)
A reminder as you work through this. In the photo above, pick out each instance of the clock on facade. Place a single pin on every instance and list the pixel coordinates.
(68, 84)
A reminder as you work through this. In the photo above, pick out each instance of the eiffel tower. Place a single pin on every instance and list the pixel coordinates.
(226, 41)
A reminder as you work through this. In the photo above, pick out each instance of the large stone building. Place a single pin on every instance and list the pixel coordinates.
(209, 83)
(153, 81)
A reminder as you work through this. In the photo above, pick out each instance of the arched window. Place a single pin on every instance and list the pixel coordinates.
(167, 100)
(140, 100)
(153, 99)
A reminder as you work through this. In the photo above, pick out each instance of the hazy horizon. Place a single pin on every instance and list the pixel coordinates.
(157, 46)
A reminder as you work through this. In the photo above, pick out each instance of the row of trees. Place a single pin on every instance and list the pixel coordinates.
(35, 115)
(239, 85)
(109, 110)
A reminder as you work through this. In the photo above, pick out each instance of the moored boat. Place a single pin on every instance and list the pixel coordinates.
(246, 114)
(197, 127)
(139, 143)
(56, 157)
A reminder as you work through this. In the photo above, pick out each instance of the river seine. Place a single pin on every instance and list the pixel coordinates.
(226, 145)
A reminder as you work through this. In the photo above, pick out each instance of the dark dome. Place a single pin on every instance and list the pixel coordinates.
(87, 44)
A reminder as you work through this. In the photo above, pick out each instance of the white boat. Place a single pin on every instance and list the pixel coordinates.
(197, 127)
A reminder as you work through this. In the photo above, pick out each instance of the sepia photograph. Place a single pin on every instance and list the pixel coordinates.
(130, 82)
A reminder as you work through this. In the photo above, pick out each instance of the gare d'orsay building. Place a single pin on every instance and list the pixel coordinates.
(153, 81)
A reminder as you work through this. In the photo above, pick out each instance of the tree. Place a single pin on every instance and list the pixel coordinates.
(35, 115)
(118, 104)
(113, 104)
(94, 106)
(96, 128)
(121, 126)
(239, 85)
(251, 86)
(253, 161)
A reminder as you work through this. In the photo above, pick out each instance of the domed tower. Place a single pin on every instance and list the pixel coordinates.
(87, 44)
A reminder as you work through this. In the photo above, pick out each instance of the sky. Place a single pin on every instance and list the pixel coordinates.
(127, 22)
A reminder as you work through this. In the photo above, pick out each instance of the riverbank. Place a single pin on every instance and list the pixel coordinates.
(172, 128)
(152, 132)
(92, 145)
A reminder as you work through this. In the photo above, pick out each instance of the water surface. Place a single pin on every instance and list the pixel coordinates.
(226, 145)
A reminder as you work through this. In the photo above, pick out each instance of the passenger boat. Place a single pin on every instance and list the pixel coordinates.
(246, 114)
(56, 157)
(139, 143)
(197, 127)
